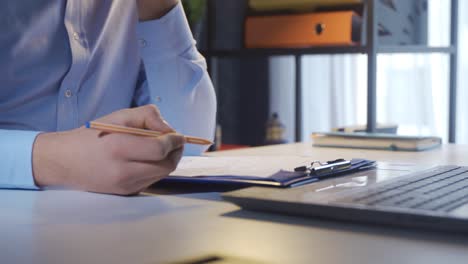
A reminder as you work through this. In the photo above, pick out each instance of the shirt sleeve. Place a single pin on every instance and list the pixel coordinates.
(176, 77)
(16, 159)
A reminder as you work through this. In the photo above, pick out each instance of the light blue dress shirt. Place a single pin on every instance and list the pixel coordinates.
(63, 63)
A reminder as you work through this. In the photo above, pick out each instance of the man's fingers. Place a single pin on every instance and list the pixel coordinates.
(138, 148)
(172, 159)
(170, 142)
(153, 172)
(148, 117)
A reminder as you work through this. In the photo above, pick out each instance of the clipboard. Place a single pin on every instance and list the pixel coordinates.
(282, 178)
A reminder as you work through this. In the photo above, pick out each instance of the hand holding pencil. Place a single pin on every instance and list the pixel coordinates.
(128, 159)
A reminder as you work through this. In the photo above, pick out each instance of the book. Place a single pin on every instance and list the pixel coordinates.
(381, 128)
(375, 141)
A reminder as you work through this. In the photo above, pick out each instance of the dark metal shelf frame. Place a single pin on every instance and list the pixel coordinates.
(323, 50)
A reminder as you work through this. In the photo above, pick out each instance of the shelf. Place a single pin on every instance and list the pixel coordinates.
(328, 50)
(285, 51)
(415, 49)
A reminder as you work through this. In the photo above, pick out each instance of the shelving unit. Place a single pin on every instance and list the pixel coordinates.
(371, 49)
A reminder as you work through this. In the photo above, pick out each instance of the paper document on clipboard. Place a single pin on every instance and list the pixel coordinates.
(247, 166)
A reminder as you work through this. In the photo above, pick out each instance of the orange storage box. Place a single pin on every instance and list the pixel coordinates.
(303, 30)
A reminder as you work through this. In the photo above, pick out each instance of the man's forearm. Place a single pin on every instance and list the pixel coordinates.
(154, 9)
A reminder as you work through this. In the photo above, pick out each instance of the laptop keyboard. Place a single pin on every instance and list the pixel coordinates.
(442, 188)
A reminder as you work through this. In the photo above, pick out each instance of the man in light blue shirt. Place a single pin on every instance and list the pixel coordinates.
(63, 63)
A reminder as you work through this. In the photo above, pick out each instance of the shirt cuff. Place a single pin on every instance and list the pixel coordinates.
(16, 159)
(167, 36)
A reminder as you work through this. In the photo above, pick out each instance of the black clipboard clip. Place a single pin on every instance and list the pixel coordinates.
(321, 170)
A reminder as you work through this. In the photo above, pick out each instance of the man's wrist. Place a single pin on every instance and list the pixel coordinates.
(43, 164)
(154, 9)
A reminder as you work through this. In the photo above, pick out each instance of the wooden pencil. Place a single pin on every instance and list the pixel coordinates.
(141, 132)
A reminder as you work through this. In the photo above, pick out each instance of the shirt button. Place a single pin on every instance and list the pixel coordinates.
(76, 36)
(68, 93)
(142, 43)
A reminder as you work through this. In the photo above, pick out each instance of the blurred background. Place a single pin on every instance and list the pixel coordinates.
(273, 92)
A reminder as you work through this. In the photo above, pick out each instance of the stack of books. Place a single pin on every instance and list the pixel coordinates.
(375, 141)
(381, 128)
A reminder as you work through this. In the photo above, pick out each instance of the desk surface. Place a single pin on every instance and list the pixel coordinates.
(60, 226)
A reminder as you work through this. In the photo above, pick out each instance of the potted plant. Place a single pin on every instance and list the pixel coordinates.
(195, 11)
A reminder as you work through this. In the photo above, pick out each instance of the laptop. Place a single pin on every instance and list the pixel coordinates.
(400, 195)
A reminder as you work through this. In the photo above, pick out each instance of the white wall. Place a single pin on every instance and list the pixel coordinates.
(282, 92)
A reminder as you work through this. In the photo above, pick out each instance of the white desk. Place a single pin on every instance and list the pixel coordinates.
(76, 227)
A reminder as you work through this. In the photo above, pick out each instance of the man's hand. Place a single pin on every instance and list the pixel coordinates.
(115, 163)
(154, 9)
